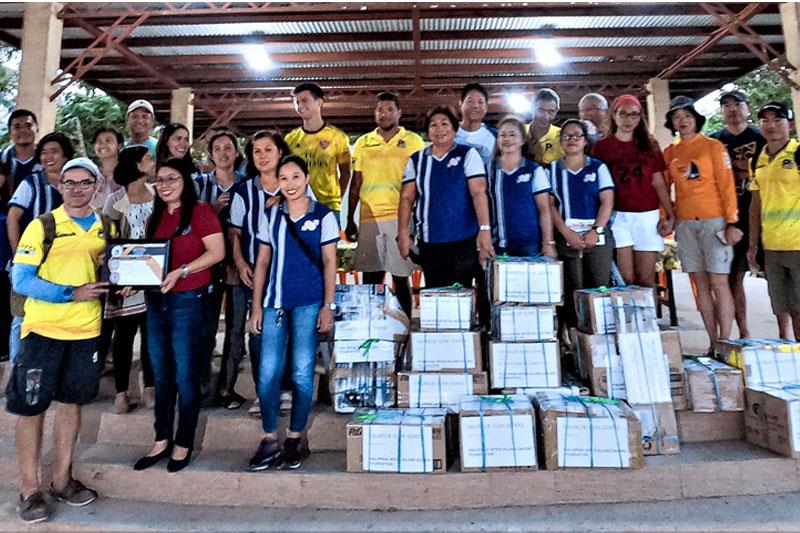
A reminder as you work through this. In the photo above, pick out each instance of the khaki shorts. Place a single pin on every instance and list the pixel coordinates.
(699, 249)
(377, 249)
(783, 280)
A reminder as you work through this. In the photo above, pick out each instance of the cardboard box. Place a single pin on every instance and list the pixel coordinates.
(397, 440)
(671, 341)
(446, 351)
(367, 351)
(367, 312)
(588, 432)
(713, 386)
(772, 419)
(763, 361)
(678, 391)
(362, 385)
(603, 365)
(497, 433)
(526, 280)
(525, 323)
(599, 310)
(659, 428)
(417, 389)
(524, 364)
(446, 309)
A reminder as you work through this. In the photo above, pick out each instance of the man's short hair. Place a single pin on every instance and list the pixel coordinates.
(17, 113)
(313, 88)
(389, 96)
(474, 87)
(548, 95)
(594, 96)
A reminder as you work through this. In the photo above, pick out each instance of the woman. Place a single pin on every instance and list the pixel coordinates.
(174, 143)
(174, 314)
(130, 207)
(581, 203)
(299, 247)
(446, 183)
(638, 168)
(519, 190)
(706, 211)
(107, 142)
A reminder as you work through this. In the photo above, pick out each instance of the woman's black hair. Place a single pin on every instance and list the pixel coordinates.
(276, 137)
(445, 110)
(59, 138)
(219, 135)
(127, 171)
(296, 159)
(641, 136)
(584, 130)
(188, 198)
(108, 129)
(162, 149)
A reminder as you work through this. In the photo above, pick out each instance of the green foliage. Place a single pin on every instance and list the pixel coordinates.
(82, 112)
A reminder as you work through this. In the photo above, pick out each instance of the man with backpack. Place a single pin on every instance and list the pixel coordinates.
(56, 268)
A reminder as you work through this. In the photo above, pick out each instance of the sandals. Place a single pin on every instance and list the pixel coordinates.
(232, 401)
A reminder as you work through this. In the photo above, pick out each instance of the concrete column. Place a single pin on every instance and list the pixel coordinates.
(181, 108)
(657, 106)
(41, 53)
(790, 20)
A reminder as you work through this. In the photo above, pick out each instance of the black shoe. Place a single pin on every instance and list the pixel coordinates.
(149, 460)
(176, 465)
(269, 454)
(295, 451)
(35, 508)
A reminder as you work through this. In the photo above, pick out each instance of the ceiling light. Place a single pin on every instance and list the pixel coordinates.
(547, 54)
(519, 103)
(257, 58)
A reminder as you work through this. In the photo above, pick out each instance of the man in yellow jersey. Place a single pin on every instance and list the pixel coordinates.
(775, 211)
(543, 144)
(379, 158)
(58, 358)
(325, 148)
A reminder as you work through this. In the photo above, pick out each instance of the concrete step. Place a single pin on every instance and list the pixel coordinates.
(217, 477)
(706, 427)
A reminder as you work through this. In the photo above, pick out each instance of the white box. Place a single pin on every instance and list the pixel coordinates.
(457, 351)
(514, 322)
(524, 364)
(446, 309)
(645, 367)
(369, 351)
(527, 280)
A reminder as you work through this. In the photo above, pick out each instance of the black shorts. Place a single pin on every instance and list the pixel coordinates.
(48, 369)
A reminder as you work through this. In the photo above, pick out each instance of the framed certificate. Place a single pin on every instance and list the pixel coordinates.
(139, 264)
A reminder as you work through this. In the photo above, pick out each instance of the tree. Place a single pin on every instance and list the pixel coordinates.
(81, 112)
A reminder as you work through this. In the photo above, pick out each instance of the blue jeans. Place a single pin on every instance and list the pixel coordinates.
(13, 339)
(173, 320)
(279, 324)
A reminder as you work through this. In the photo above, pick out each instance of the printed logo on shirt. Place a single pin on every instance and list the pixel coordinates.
(548, 147)
(310, 225)
(591, 177)
(324, 144)
(523, 178)
(454, 162)
(401, 143)
(788, 163)
(692, 172)
(25, 250)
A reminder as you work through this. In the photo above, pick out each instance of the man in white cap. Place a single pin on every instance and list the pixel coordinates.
(140, 119)
(55, 267)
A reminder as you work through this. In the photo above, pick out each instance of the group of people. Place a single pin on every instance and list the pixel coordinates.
(259, 230)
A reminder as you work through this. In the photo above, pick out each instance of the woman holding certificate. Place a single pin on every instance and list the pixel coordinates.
(175, 312)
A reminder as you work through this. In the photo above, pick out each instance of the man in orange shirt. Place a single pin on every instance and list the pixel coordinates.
(706, 210)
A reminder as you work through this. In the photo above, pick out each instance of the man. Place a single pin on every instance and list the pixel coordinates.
(379, 159)
(19, 158)
(140, 119)
(743, 142)
(775, 212)
(325, 148)
(471, 130)
(58, 358)
(543, 144)
(594, 108)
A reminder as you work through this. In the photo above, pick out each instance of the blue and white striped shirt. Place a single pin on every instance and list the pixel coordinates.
(35, 196)
(515, 215)
(577, 192)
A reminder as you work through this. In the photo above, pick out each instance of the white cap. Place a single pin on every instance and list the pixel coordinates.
(140, 103)
(81, 162)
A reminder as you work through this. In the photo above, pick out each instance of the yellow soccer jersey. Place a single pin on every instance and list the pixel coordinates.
(73, 260)
(778, 183)
(547, 149)
(323, 151)
(381, 165)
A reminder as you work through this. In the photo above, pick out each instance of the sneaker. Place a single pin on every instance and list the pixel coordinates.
(75, 494)
(35, 508)
(255, 409)
(295, 451)
(286, 401)
(268, 455)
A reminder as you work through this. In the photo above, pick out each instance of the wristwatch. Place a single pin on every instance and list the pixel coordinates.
(184, 271)
(331, 306)
(485, 227)
(599, 229)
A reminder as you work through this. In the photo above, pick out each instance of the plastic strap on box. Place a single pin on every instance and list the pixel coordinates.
(584, 402)
(493, 400)
(714, 382)
(366, 346)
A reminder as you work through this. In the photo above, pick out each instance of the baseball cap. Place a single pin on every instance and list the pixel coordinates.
(136, 104)
(778, 108)
(736, 94)
(81, 162)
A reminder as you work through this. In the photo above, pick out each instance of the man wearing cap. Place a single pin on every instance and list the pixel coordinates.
(706, 212)
(743, 142)
(775, 212)
(140, 119)
(594, 108)
(325, 148)
(543, 144)
(58, 357)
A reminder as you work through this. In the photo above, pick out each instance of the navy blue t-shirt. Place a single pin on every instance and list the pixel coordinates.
(577, 193)
(515, 215)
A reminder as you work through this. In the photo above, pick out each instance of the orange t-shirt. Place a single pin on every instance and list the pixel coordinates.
(701, 170)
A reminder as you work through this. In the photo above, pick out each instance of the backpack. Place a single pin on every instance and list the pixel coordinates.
(49, 226)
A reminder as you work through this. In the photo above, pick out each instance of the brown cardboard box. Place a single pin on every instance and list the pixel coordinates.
(599, 353)
(526, 280)
(446, 351)
(497, 433)
(713, 386)
(524, 364)
(600, 310)
(446, 309)
(763, 361)
(397, 440)
(438, 389)
(599, 432)
(772, 419)
(659, 428)
(671, 340)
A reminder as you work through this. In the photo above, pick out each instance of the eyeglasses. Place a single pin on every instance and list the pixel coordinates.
(624, 115)
(573, 137)
(71, 185)
(168, 180)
